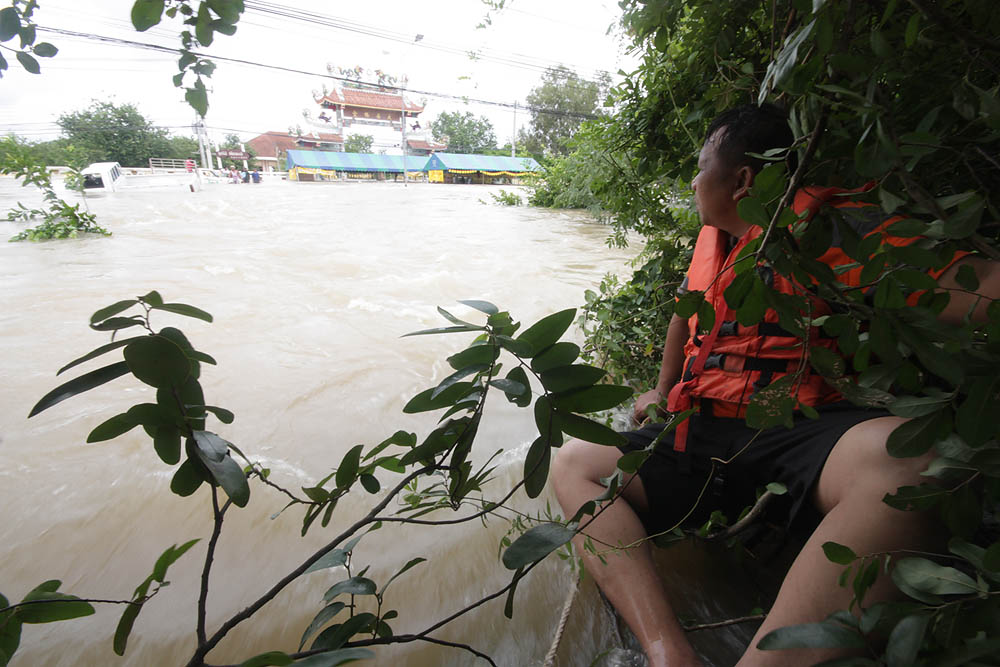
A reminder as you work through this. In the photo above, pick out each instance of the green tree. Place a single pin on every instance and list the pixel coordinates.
(115, 133)
(464, 133)
(359, 143)
(559, 104)
(182, 148)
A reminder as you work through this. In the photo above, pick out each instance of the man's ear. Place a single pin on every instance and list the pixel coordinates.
(744, 181)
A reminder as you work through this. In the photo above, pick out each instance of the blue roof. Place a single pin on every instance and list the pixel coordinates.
(481, 162)
(353, 161)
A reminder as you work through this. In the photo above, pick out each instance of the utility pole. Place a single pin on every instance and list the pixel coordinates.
(402, 125)
(513, 134)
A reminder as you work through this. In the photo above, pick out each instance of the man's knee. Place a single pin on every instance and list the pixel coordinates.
(860, 466)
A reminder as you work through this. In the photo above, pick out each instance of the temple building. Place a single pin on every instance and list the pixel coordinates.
(380, 114)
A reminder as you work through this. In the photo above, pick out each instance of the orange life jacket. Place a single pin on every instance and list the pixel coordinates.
(729, 363)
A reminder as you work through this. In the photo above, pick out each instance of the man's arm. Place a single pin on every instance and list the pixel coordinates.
(964, 302)
(670, 367)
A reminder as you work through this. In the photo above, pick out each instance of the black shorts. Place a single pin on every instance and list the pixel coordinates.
(674, 481)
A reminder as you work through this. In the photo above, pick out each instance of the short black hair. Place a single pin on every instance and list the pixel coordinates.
(752, 129)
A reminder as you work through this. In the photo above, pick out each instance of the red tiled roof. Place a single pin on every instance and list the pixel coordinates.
(335, 138)
(426, 145)
(272, 144)
(370, 99)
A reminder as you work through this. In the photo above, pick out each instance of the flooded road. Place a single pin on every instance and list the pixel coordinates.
(311, 287)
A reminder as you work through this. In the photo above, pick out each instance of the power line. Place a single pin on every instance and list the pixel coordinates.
(313, 18)
(400, 89)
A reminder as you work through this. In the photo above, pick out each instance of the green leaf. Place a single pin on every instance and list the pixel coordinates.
(184, 309)
(28, 62)
(927, 577)
(197, 97)
(439, 330)
(321, 619)
(339, 657)
(966, 278)
(113, 309)
(536, 467)
(426, 400)
(79, 385)
(812, 635)
(967, 654)
(914, 437)
(334, 558)
(10, 23)
(521, 399)
(158, 362)
(558, 354)
(348, 469)
(512, 388)
(117, 323)
(44, 50)
(124, 628)
(230, 477)
(352, 586)
(751, 210)
(547, 330)
(592, 399)
(224, 416)
(975, 418)
(93, 354)
(566, 378)
(838, 553)
(186, 480)
(52, 606)
(370, 483)
(10, 633)
(203, 26)
(112, 428)
(826, 362)
(413, 562)
(477, 355)
(918, 406)
(267, 659)
(170, 556)
(146, 14)
(589, 430)
(535, 544)
(481, 306)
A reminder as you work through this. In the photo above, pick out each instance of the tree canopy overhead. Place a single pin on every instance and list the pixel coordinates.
(464, 133)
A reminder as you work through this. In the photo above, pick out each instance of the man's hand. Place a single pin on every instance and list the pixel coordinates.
(651, 398)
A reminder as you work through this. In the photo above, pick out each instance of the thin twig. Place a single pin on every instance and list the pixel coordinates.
(797, 178)
(745, 522)
(722, 624)
(211, 642)
(217, 515)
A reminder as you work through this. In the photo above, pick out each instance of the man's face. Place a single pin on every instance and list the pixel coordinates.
(717, 188)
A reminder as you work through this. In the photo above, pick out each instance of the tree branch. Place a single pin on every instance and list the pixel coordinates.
(217, 515)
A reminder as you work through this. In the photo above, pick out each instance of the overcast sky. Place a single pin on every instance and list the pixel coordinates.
(250, 100)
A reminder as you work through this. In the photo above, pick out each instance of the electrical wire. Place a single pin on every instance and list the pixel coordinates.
(491, 55)
(399, 89)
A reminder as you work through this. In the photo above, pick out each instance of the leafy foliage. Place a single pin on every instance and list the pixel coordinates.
(435, 474)
(60, 219)
(16, 22)
(359, 143)
(464, 133)
(114, 133)
(559, 104)
(901, 94)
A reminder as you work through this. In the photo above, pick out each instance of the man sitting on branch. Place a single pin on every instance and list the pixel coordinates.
(831, 456)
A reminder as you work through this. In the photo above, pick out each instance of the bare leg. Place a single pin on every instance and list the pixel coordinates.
(857, 475)
(628, 579)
